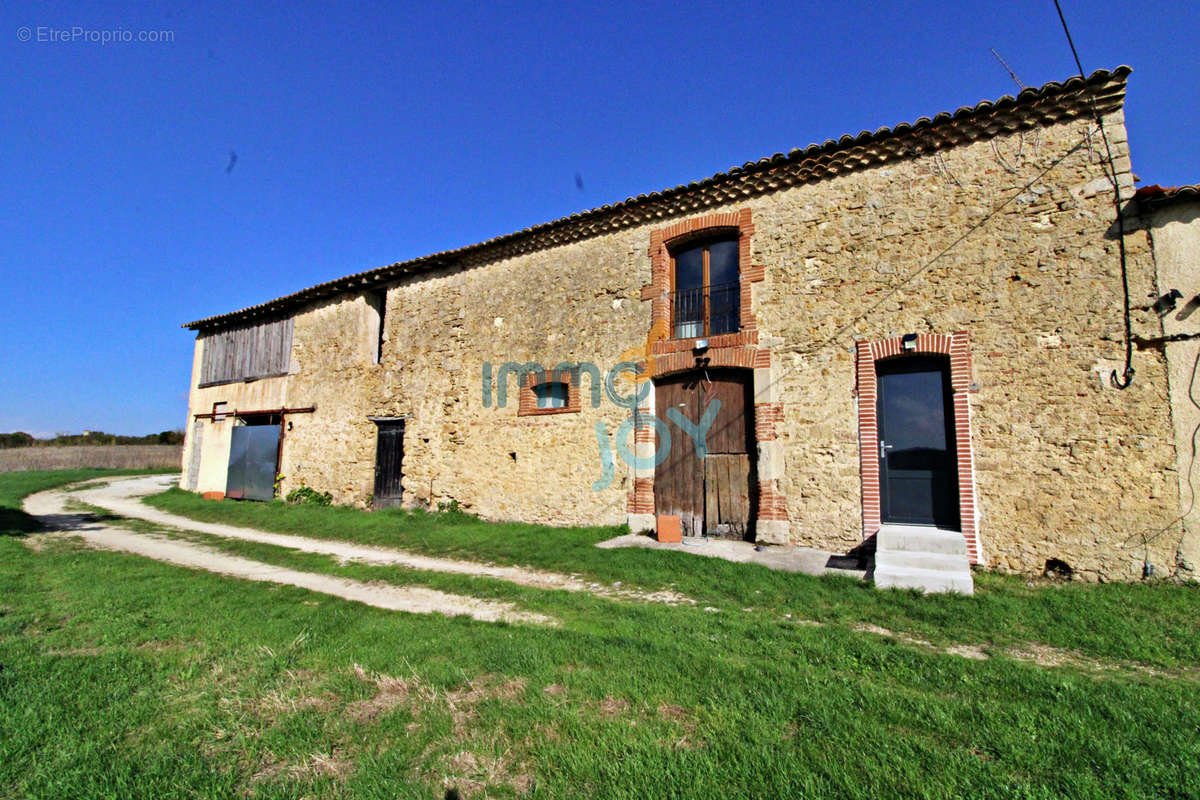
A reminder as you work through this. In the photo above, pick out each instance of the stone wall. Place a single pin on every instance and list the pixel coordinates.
(1175, 232)
(1067, 465)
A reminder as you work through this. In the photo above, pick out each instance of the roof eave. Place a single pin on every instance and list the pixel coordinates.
(1154, 197)
(1103, 90)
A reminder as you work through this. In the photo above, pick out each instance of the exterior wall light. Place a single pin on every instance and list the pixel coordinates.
(701, 344)
(909, 342)
(1166, 304)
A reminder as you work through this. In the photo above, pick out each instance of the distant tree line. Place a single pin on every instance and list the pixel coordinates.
(22, 439)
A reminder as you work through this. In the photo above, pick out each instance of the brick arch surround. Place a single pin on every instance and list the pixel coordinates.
(739, 349)
(957, 347)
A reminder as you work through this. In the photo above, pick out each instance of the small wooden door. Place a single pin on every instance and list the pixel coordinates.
(389, 460)
(679, 478)
(712, 495)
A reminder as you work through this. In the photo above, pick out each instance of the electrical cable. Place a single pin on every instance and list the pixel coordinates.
(1111, 173)
(1127, 378)
(1128, 373)
(929, 264)
(802, 351)
(1149, 535)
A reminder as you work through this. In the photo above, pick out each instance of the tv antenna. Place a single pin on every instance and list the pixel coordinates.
(1009, 69)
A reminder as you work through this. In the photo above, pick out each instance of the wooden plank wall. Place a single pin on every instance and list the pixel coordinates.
(252, 351)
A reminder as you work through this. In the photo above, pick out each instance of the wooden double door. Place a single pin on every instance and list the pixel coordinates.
(712, 494)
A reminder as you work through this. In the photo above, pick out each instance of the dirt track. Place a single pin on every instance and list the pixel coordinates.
(50, 508)
(122, 497)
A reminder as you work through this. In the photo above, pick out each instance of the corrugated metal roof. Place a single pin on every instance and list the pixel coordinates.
(1103, 91)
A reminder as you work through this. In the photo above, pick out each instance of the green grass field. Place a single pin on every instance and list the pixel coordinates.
(122, 677)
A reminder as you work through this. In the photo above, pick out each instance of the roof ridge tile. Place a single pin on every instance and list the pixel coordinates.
(1107, 86)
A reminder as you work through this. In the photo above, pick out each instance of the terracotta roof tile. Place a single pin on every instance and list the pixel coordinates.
(1154, 195)
(1102, 91)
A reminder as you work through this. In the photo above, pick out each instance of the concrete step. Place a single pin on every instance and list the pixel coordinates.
(927, 580)
(936, 561)
(920, 539)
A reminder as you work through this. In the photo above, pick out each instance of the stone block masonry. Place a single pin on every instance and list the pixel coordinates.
(1061, 464)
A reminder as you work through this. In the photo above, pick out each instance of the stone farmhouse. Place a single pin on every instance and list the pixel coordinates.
(918, 326)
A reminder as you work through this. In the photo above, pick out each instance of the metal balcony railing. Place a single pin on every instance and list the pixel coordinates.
(707, 310)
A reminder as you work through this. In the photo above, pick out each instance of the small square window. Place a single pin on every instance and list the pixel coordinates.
(551, 394)
(544, 393)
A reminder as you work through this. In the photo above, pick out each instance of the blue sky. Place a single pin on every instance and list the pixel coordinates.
(373, 133)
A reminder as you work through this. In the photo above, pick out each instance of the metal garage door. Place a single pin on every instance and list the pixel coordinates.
(253, 450)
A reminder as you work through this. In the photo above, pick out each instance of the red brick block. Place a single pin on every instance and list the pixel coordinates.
(669, 529)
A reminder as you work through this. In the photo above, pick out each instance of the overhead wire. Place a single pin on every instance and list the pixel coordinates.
(1110, 173)
(936, 258)
(803, 351)
(1127, 378)
(1150, 535)
(1109, 168)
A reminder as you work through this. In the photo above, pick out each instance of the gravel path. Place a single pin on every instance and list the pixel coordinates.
(50, 508)
(122, 497)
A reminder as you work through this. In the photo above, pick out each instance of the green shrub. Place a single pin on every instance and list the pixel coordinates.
(308, 496)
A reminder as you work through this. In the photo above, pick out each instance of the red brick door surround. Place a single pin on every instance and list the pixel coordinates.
(957, 347)
(739, 350)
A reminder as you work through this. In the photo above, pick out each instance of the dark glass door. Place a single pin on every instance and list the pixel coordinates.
(918, 470)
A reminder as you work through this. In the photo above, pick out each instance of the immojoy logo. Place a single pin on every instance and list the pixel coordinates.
(634, 366)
